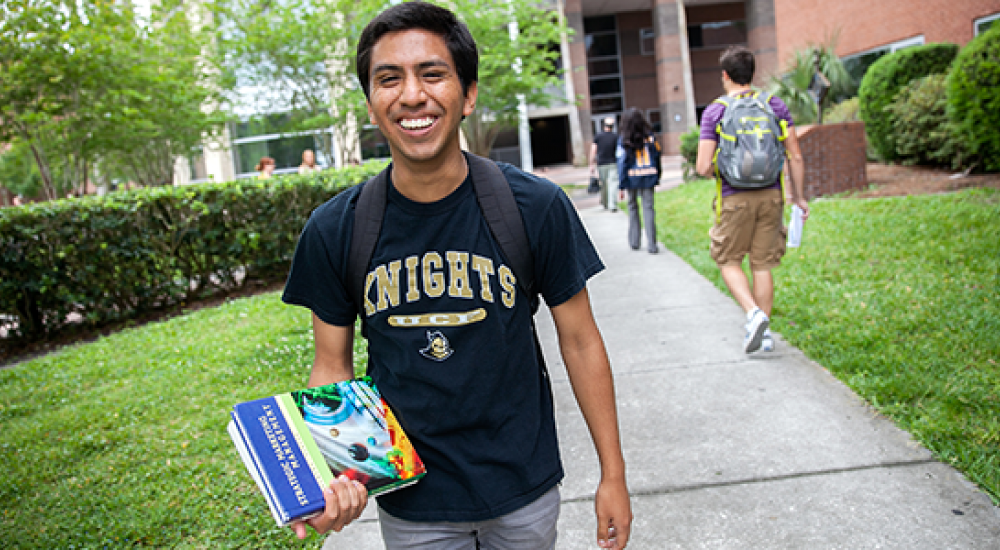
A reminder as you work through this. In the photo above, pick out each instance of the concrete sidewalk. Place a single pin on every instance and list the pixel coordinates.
(730, 451)
(726, 450)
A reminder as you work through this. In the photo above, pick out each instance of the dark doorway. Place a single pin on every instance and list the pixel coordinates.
(550, 142)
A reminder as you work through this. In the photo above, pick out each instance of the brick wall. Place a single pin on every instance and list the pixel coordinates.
(835, 158)
(861, 25)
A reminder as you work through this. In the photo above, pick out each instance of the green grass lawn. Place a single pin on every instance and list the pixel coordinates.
(899, 298)
(122, 442)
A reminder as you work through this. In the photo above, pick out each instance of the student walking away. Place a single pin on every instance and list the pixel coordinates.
(602, 162)
(746, 136)
(446, 296)
(639, 171)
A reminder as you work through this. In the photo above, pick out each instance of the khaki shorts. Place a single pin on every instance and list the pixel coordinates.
(750, 223)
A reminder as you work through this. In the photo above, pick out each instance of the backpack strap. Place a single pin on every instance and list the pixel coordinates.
(496, 200)
(782, 136)
(368, 214)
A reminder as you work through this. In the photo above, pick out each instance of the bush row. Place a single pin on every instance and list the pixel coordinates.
(883, 81)
(936, 104)
(974, 98)
(98, 260)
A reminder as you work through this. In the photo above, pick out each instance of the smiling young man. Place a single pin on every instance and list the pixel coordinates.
(450, 338)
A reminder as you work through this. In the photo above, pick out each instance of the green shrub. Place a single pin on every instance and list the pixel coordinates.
(792, 86)
(689, 150)
(921, 129)
(974, 98)
(845, 111)
(883, 81)
(112, 258)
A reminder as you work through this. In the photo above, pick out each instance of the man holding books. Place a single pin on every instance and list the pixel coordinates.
(450, 332)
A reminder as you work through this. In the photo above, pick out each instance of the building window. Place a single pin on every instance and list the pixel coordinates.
(264, 137)
(196, 162)
(373, 143)
(982, 24)
(604, 64)
(857, 64)
(286, 152)
(717, 34)
(647, 41)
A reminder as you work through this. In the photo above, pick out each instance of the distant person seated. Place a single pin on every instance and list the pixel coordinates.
(265, 167)
(308, 162)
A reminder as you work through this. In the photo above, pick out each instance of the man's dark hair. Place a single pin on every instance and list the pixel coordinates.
(635, 129)
(428, 17)
(738, 63)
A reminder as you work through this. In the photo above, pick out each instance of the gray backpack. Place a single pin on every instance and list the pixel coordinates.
(751, 149)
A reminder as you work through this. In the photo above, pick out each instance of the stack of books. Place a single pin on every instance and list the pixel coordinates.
(294, 444)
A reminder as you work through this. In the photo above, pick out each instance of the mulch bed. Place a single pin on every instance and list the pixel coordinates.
(887, 180)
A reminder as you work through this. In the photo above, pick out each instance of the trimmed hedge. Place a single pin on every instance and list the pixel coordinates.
(112, 258)
(883, 81)
(974, 97)
(923, 132)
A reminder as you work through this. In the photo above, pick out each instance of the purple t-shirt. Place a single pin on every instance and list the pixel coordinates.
(713, 114)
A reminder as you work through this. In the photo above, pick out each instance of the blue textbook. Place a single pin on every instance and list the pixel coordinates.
(294, 444)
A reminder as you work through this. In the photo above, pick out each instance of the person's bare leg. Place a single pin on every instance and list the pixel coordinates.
(739, 286)
(763, 290)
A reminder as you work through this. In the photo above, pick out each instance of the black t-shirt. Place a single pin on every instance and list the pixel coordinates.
(450, 340)
(606, 143)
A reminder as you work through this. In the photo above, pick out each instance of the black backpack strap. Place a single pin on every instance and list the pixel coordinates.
(368, 214)
(496, 200)
(499, 207)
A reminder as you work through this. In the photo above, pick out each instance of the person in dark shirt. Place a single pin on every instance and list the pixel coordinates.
(602, 162)
(450, 340)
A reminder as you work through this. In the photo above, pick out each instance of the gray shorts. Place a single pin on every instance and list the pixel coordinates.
(532, 527)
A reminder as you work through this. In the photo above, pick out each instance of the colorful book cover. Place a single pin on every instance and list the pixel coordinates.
(296, 443)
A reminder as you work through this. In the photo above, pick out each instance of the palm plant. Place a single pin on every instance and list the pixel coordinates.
(792, 86)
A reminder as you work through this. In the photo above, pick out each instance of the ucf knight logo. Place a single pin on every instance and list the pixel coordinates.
(438, 348)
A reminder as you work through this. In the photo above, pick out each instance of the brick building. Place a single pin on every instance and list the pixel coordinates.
(662, 55)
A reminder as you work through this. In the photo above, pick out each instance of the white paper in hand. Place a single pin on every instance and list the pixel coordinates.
(795, 227)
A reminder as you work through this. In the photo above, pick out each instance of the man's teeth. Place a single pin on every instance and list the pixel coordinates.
(416, 123)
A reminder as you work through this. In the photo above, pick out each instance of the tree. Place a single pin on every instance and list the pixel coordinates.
(508, 68)
(298, 57)
(35, 57)
(169, 105)
(84, 83)
(293, 57)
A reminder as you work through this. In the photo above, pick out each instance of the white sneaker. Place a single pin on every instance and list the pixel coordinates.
(757, 323)
(767, 341)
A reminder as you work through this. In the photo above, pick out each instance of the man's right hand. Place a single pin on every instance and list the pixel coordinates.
(801, 203)
(345, 500)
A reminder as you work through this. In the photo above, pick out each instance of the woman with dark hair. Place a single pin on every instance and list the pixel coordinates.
(638, 172)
